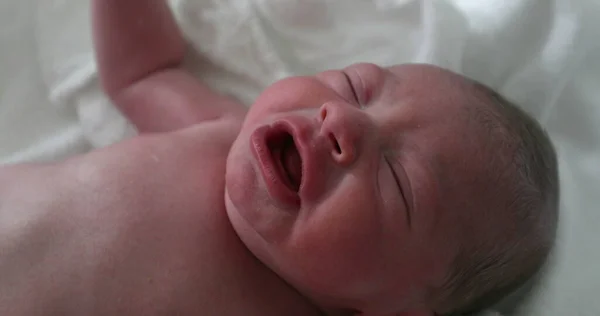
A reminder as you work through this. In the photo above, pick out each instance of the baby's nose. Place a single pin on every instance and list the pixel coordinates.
(342, 125)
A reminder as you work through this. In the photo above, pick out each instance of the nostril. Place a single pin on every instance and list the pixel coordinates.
(323, 114)
(335, 144)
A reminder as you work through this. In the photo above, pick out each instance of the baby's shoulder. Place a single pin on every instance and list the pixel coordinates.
(168, 164)
(209, 137)
(203, 144)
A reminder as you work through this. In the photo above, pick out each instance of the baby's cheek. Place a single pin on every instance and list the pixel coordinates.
(291, 94)
(339, 242)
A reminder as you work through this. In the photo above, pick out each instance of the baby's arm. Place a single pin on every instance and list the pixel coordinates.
(140, 50)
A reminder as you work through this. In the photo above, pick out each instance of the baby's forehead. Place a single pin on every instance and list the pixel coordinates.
(428, 90)
(429, 71)
(430, 79)
(433, 91)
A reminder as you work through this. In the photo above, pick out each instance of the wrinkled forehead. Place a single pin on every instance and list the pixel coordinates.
(427, 73)
(427, 100)
(435, 89)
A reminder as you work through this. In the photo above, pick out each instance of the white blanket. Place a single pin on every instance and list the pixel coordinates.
(543, 54)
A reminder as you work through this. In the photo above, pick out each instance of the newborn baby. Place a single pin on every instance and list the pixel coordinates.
(406, 190)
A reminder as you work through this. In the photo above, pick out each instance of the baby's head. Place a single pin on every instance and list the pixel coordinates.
(407, 190)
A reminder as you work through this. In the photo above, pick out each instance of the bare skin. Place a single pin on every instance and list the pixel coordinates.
(138, 228)
(95, 235)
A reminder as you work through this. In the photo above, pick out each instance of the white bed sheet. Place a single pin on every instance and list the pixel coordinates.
(541, 53)
(31, 128)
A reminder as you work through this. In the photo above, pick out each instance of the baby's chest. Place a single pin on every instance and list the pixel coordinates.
(129, 244)
(175, 247)
(153, 201)
(150, 174)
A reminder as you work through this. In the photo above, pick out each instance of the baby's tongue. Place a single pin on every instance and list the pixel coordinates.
(292, 164)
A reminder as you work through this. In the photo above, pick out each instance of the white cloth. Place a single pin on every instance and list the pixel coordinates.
(31, 128)
(540, 53)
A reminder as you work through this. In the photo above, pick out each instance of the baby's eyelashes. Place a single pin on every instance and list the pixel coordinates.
(353, 90)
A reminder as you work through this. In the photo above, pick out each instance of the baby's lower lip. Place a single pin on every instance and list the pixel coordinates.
(270, 171)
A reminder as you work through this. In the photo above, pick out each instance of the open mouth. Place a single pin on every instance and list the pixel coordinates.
(286, 157)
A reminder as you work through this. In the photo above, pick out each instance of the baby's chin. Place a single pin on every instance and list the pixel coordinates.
(270, 256)
(237, 222)
(253, 241)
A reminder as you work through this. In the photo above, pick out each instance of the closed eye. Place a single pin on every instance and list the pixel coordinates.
(401, 192)
(352, 89)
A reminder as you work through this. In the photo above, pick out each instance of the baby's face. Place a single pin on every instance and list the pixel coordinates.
(333, 182)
